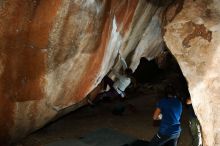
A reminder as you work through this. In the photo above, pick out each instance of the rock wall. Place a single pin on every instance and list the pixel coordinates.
(193, 35)
(54, 52)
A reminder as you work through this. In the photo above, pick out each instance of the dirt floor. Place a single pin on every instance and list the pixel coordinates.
(135, 121)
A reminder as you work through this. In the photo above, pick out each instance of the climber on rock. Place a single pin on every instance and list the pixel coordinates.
(117, 88)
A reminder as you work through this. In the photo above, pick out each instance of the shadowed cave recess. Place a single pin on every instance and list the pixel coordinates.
(55, 54)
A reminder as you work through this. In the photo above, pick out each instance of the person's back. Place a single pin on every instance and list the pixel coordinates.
(171, 109)
(122, 83)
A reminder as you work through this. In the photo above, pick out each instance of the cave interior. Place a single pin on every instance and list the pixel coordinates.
(130, 116)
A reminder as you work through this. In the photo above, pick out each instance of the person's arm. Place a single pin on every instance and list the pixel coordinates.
(157, 112)
(133, 83)
(188, 101)
(123, 62)
(116, 73)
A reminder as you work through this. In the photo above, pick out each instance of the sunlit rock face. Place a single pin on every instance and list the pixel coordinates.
(54, 52)
(193, 36)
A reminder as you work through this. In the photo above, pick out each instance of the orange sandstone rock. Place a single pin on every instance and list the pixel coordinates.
(54, 52)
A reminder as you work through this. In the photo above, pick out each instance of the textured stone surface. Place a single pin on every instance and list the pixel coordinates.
(193, 37)
(54, 52)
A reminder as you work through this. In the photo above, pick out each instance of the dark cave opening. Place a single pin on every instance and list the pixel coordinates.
(163, 70)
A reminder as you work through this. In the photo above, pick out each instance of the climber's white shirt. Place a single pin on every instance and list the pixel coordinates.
(121, 84)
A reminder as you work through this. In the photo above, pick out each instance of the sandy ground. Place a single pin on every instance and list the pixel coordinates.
(135, 121)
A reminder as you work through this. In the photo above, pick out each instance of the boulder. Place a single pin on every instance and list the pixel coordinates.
(54, 52)
(193, 35)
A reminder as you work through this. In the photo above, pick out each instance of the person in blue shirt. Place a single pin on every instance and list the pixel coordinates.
(170, 110)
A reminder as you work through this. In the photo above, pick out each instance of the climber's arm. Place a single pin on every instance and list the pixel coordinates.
(123, 63)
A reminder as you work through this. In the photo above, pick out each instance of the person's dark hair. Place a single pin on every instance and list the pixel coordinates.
(128, 71)
(170, 91)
